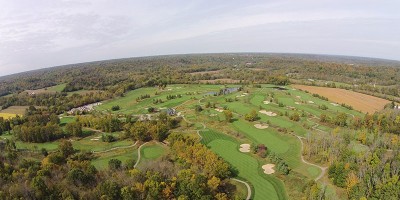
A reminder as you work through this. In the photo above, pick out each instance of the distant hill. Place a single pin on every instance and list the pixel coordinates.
(128, 73)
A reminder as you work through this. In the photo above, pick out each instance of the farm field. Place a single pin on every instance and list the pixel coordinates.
(17, 110)
(358, 101)
(13, 111)
(7, 115)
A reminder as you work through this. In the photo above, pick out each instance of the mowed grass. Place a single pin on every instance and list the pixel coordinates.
(101, 162)
(358, 101)
(57, 88)
(265, 187)
(66, 120)
(52, 89)
(153, 151)
(130, 105)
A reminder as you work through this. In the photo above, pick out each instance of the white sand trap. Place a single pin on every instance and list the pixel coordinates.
(297, 103)
(238, 96)
(268, 168)
(169, 89)
(291, 107)
(245, 148)
(95, 139)
(266, 102)
(298, 97)
(213, 115)
(242, 95)
(245, 93)
(294, 89)
(260, 126)
(269, 113)
(219, 110)
(335, 104)
(310, 101)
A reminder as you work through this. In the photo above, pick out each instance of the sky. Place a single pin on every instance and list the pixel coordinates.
(45, 33)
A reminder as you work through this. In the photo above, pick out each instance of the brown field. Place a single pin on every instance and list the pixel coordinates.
(206, 72)
(17, 110)
(257, 69)
(364, 103)
(221, 80)
(39, 91)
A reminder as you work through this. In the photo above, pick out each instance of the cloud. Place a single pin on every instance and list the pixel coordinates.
(43, 33)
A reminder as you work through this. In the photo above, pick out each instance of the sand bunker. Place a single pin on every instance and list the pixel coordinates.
(266, 102)
(245, 148)
(310, 101)
(245, 93)
(268, 168)
(291, 107)
(213, 115)
(297, 103)
(269, 113)
(96, 138)
(298, 97)
(219, 110)
(260, 126)
(335, 104)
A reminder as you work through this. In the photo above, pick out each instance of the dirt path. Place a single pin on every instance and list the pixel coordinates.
(115, 148)
(316, 125)
(247, 185)
(197, 131)
(323, 169)
(138, 160)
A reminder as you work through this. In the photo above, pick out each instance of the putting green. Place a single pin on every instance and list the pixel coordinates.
(153, 151)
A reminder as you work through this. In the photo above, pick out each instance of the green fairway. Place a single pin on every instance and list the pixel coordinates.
(57, 88)
(130, 105)
(101, 162)
(262, 136)
(66, 120)
(286, 146)
(154, 151)
(265, 187)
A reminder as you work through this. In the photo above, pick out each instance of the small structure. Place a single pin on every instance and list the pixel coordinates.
(171, 111)
(85, 108)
